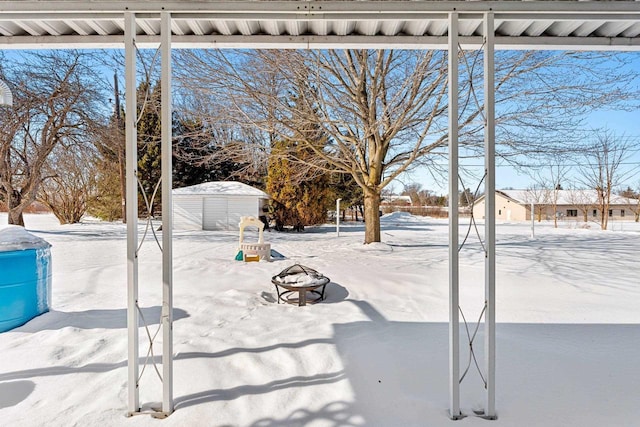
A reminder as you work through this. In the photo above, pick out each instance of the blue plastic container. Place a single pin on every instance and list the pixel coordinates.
(25, 277)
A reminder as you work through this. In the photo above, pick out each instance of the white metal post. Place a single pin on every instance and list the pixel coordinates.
(167, 230)
(490, 215)
(131, 209)
(454, 319)
(533, 221)
(338, 217)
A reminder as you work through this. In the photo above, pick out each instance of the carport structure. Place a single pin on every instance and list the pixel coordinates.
(450, 25)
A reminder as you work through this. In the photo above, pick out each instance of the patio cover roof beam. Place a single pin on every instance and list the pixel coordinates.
(540, 25)
(322, 42)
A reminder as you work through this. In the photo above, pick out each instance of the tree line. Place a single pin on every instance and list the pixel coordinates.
(306, 126)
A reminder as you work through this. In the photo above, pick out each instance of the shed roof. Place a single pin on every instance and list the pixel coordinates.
(223, 188)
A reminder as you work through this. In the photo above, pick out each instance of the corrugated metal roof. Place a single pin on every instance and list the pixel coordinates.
(565, 24)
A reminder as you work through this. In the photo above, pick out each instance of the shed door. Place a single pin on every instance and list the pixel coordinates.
(214, 216)
(187, 213)
(239, 206)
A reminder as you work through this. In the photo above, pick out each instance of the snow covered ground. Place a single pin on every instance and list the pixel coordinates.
(375, 353)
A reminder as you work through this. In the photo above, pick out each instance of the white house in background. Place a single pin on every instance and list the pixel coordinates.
(578, 205)
(216, 205)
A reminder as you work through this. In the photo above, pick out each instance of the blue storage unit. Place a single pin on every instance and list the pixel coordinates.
(25, 277)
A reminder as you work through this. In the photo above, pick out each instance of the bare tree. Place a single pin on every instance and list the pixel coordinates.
(549, 180)
(55, 101)
(603, 170)
(540, 196)
(633, 200)
(385, 111)
(423, 197)
(227, 121)
(71, 182)
(557, 174)
(413, 190)
(583, 200)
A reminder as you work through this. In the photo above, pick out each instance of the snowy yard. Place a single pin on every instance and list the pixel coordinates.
(375, 353)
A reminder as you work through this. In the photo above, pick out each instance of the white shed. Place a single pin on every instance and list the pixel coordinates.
(215, 205)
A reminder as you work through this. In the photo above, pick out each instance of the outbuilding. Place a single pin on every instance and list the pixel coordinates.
(216, 205)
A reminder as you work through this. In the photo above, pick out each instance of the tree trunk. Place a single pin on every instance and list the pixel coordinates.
(15, 217)
(605, 217)
(15, 208)
(371, 216)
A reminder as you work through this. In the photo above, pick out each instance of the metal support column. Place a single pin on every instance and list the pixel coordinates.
(490, 216)
(132, 210)
(167, 230)
(338, 217)
(454, 319)
(533, 221)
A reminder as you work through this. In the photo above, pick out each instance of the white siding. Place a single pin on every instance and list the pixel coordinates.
(187, 212)
(241, 206)
(215, 215)
(213, 212)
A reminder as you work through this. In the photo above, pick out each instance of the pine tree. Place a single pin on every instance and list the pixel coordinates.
(280, 185)
(349, 192)
(300, 189)
(149, 156)
(106, 203)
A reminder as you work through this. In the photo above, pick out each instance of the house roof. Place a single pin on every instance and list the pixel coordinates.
(564, 197)
(541, 25)
(222, 188)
